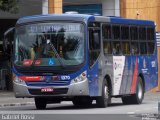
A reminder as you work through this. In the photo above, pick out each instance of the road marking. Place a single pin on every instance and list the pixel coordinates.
(130, 112)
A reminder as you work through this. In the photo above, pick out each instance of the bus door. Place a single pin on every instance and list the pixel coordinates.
(94, 53)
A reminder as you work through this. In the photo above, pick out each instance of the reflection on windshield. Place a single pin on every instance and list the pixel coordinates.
(67, 39)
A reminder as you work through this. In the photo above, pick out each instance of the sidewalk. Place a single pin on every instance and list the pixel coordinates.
(7, 98)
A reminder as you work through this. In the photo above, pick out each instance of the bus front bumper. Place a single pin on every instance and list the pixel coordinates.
(74, 89)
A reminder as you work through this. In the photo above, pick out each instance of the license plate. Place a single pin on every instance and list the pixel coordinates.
(47, 90)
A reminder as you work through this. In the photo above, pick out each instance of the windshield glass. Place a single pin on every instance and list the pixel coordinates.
(34, 44)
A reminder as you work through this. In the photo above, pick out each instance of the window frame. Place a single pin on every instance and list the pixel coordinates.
(97, 50)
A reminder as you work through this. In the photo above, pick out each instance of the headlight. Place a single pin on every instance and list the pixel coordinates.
(16, 79)
(80, 78)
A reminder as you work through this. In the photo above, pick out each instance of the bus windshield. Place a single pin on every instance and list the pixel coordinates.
(34, 44)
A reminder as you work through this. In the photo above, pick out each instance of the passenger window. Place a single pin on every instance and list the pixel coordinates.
(116, 48)
(143, 48)
(134, 48)
(150, 34)
(150, 40)
(126, 48)
(107, 47)
(134, 33)
(106, 31)
(142, 40)
(116, 32)
(125, 33)
(142, 33)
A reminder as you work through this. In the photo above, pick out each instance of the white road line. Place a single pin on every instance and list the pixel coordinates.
(130, 112)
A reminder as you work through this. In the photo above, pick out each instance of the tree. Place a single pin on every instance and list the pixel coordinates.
(9, 6)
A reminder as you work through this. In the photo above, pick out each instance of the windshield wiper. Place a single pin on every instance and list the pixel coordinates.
(54, 50)
(56, 53)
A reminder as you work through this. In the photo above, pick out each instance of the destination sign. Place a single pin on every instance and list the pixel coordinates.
(43, 28)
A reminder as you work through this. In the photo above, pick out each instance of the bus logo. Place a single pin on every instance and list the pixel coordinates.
(65, 77)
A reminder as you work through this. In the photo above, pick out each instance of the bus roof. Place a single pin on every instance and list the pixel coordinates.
(50, 17)
(82, 17)
(131, 21)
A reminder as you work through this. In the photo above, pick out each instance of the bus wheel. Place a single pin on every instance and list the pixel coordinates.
(136, 98)
(105, 98)
(40, 103)
(82, 101)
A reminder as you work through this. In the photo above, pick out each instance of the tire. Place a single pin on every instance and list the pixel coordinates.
(105, 98)
(136, 98)
(82, 101)
(40, 103)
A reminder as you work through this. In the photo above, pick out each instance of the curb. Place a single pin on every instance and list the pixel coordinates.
(16, 104)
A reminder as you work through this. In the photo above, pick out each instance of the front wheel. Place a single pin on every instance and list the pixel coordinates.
(40, 103)
(105, 98)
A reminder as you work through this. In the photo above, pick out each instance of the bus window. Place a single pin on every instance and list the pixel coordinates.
(94, 39)
(134, 33)
(94, 45)
(150, 40)
(116, 32)
(107, 47)
(106, 31)
(134, 48)
(142, 33)
(150, 34)
(125, 32)
(142, 40)
(116, 48)
(126, 48)
(143, 48)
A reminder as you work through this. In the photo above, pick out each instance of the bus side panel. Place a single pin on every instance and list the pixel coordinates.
(107, 71)
(118, 73)
(127, 76)
(93, 77)
(145, 65)
(148, 67)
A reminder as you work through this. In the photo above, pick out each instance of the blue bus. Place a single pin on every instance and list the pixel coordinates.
(81, 58)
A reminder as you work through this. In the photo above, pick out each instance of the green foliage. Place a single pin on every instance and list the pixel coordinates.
(9, 6)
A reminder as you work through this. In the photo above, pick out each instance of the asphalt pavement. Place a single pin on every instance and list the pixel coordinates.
(7, 98)
(9, 105)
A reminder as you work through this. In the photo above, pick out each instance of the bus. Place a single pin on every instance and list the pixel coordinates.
(81, 58)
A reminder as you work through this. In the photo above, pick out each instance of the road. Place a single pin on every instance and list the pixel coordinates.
(116, 109)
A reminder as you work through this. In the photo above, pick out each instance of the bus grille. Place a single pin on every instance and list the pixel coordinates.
(44, 83)
(56, 91)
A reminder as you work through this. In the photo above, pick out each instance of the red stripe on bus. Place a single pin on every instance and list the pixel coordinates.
(135, 75)
(30, 78)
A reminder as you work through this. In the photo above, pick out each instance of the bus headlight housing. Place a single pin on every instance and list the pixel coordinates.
(16, 79)
(80, 78)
